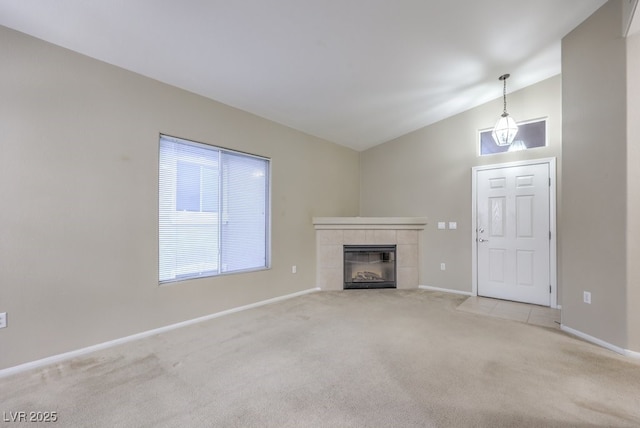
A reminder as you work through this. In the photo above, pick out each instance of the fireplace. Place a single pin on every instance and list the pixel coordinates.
(369, 266)
(333, 233)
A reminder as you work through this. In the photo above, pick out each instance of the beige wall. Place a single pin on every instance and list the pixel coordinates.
(633, 191)
(78, 185)
(595, 175)
(428, 173)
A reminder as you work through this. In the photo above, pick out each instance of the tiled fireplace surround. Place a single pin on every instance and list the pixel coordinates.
(332, 233)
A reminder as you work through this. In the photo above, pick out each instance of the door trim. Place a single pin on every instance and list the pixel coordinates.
(553, 256)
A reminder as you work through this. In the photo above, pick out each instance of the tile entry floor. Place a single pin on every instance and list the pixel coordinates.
(523, 312)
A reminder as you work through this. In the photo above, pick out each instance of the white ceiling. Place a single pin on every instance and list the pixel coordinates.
(633, 17)
(355, 72)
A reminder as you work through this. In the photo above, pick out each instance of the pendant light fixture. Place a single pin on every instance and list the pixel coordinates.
(506, 129)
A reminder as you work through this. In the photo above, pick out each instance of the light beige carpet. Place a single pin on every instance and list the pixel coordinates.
(360, 358)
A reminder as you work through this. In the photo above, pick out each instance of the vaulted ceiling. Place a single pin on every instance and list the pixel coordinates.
(355, 72)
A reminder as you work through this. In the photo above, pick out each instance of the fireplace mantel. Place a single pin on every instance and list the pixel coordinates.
(390, 223)
(333, 233)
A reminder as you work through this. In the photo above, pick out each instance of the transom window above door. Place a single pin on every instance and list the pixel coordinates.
(531, 134)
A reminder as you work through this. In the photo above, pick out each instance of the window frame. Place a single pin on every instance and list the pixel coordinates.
(180, 215)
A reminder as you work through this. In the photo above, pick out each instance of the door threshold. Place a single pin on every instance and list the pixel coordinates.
(541, 316)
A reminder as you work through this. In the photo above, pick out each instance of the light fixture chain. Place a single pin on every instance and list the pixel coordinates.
(504, 95)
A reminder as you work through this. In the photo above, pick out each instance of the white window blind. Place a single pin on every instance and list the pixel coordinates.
(213, 210)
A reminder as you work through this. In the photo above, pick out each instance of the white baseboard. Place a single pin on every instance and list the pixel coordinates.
(599, 342)
(445, 290)
(83, 351)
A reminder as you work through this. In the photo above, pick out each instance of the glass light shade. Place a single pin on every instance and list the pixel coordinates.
(505, 130)
(517, 145)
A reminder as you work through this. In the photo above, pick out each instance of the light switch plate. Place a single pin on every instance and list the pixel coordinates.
(453, 225)
(442, 225)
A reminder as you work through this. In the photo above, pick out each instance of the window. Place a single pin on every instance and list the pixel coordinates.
(531, 134)
(213, 210)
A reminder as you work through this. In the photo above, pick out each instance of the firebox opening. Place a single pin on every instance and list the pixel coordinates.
(369, 266)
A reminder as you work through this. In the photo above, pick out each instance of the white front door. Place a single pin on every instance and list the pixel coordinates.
(513, 234)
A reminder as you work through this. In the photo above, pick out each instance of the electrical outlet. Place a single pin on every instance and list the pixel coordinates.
(587, 297)
(294, 269)
(3, 319)
(442, 266)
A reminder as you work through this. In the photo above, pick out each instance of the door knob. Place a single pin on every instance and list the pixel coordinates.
(482, 240)
(481, 230)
